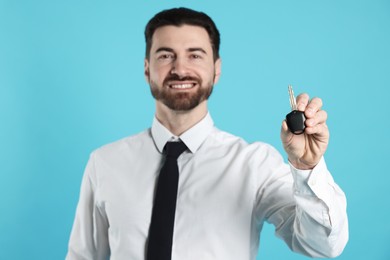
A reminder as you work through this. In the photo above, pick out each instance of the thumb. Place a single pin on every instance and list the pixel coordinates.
(285, 133)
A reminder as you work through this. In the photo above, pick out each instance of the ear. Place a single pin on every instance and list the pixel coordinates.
(146, 70)
(217, 70)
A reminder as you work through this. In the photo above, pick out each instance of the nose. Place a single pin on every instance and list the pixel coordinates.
(180, 67)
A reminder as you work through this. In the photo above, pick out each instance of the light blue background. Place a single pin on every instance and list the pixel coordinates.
(71, 80)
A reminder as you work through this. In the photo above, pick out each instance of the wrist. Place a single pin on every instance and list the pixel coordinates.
(300, 165)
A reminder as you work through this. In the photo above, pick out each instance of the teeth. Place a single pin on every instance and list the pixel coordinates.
(182, 86)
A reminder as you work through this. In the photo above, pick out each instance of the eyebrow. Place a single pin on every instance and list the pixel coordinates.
(197, 49)
(171, 50)
(164, 49)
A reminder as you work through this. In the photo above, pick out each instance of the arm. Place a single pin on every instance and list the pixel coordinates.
(320, 225)
(89, 238)
(315, 221)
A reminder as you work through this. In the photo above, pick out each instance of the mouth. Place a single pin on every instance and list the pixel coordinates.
(182, 86)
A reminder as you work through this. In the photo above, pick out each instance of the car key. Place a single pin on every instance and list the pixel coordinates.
(295, 119)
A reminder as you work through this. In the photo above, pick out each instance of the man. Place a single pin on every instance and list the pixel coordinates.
(226, 188)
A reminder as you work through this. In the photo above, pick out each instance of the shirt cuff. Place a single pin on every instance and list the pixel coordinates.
(308, 181)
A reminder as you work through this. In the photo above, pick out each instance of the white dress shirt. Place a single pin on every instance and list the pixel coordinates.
(227, 189)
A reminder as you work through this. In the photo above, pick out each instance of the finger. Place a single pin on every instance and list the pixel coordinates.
(319, 118)
(314, 105)
(302, 101)
(320, 129)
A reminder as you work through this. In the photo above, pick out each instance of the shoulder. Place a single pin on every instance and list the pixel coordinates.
(237, 144)
(125, 145)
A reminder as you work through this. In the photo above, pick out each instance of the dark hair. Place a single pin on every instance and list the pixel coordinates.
(178, 17)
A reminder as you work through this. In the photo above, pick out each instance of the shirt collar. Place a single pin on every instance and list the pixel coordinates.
(192, 138)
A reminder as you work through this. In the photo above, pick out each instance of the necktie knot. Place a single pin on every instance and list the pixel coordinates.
(174, 149)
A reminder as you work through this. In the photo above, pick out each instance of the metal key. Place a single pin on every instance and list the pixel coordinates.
(295, 119)
(293, 102)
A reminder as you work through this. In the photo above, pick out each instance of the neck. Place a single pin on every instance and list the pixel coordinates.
(177, 122)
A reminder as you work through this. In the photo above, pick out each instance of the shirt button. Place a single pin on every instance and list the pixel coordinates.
(312, 182)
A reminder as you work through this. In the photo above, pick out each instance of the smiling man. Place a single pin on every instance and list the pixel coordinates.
(184, 189)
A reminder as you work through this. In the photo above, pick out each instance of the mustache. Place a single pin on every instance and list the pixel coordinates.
(175, 77)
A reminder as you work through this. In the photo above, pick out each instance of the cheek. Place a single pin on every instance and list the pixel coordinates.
(209, 73)
(157, 74)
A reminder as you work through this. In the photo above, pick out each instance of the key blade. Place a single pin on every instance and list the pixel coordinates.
(290, 95)
(293, 103)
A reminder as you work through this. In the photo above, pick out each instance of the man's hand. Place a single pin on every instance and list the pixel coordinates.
(305, 150)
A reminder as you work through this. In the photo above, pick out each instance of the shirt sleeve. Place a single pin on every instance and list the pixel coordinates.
(89, 236)
(308, 210)
(322, 204)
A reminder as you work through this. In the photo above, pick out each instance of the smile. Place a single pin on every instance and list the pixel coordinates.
(182, 86)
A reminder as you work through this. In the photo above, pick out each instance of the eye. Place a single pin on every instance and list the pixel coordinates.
(165, 56)
(196, 56)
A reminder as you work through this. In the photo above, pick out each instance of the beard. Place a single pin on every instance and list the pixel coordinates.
(182, 100)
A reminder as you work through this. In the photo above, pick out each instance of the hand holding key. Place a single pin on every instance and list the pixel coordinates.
(305, 150)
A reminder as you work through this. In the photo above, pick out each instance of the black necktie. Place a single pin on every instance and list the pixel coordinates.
(163, 214)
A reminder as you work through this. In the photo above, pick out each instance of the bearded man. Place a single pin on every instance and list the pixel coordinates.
(206, 194)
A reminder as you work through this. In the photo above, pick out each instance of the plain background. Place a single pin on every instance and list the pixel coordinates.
(71, 80)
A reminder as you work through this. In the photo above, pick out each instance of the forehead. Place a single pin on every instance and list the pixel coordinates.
(181, 37)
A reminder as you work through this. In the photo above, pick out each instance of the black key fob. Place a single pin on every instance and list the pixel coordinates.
(296, 122)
